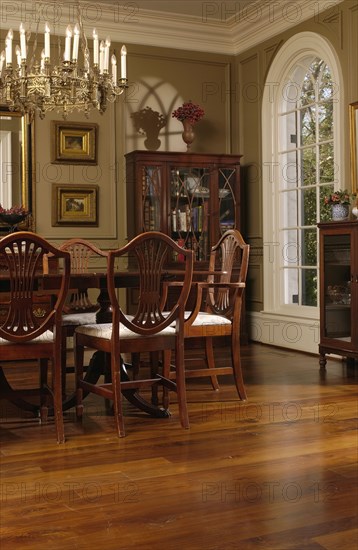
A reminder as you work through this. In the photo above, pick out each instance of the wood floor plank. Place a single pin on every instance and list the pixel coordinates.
(278, 472)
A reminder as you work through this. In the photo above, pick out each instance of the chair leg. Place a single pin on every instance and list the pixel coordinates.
(57, 400)
(117, 395)
(43, 365)
(167, 354)
(79, 356)
(181, 388)
(135, 364)
(154, 366)
(107, 377)
(236, 362)
(63, 359)
(210, 360)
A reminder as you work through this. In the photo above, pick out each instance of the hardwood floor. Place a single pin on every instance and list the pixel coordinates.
(276, 472)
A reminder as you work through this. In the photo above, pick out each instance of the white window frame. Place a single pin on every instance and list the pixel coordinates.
(297, 47)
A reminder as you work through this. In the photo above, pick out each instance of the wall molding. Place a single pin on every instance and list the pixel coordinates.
(284, 331)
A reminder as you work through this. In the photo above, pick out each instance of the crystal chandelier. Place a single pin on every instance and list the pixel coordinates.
(32, 86)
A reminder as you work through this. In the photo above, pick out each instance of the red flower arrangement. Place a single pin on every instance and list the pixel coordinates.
(14, 210)
(189, 111)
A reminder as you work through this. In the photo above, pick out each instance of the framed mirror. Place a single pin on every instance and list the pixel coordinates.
(353, 121)
(17, 165)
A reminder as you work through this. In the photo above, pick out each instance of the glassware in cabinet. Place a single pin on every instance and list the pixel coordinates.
(189, 208)
(151, 197)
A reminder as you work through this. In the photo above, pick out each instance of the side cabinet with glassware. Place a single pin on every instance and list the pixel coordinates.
(338, 290)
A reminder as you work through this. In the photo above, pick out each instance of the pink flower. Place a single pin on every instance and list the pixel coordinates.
(339, 197)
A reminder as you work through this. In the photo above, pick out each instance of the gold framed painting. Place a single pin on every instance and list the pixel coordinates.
(353, 121)
(74, 142)
(74, 204)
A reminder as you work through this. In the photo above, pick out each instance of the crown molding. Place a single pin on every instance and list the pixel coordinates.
(272, 18)
(232, 33)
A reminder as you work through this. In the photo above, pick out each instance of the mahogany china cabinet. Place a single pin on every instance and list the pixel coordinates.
(338, 290)
(191, 197)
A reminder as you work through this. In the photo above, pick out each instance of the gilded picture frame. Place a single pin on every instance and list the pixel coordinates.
(353, 124)
(74, 205)
(74, 143)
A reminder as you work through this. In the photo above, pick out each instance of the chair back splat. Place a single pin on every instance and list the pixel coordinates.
(82, 253)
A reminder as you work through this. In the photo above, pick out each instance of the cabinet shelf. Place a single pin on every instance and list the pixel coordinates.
(338, 306)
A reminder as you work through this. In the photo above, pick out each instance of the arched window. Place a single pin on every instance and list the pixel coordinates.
(302, 117)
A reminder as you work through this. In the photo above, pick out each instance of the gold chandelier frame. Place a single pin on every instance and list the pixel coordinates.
(34, 86)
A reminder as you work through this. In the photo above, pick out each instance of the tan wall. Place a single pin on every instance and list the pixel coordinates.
(340, 26)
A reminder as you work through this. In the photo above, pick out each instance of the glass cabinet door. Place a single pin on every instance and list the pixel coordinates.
(189, 209)
(337, 287)
(227, 203)
(151, 197)
(195, 193)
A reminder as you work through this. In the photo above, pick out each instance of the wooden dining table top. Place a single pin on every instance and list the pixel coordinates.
(98, 279)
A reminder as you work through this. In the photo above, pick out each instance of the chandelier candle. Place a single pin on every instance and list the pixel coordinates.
(8, 47)
(95, 47)
(114, 70)
(22, 42)
(124, 63)
(47, 42)
(76, 41)
(18, 55)
(106, 54)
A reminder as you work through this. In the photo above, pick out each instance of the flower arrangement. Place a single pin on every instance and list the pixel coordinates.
(189, 111)
(339, 197)
(14, 210)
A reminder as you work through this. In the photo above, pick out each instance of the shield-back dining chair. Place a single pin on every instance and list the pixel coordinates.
(218, 309)
(78, 309)
(147, 331)
(23, 336)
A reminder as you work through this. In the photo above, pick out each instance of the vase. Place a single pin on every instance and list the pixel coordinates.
(355, 211)
(188, 133)
(12, 220)
(340, 211)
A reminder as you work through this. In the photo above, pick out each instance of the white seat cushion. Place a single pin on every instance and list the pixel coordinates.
(78, 319)
(46, 337)
(204, 318)
(208, 319)
(104, 331)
